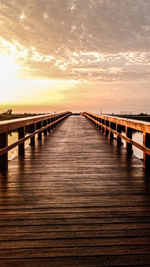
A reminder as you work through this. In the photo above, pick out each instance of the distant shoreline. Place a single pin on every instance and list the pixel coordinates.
(141, 117)
(17, 116)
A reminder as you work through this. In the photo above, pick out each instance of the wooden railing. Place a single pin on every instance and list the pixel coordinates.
(27, 128)
(114, 125)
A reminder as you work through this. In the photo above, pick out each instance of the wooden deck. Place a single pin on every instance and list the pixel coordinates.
(75, 200)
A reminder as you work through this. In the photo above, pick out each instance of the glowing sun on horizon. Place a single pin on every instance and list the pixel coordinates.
(8, 69)
(8, 76)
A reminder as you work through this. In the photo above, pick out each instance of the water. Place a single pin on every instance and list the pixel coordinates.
(138, 138)
(12, 138)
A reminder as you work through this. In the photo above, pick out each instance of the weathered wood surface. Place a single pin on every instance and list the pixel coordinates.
(142, 126)
(10, 125)
(31, 136)
(106, 122)
(76, 199)
(37, 125)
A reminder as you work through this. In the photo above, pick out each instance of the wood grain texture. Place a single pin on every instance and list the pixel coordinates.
(75, 199)
(118, 133)
(32, 134)
(10, 125)
(142, 126)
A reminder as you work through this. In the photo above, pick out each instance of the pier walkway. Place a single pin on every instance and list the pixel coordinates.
(75, 199)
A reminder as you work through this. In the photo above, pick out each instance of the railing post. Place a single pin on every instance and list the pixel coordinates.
(111, 134)
(52, 119)
(118, 138)
(146, 143)
(103, 129)
(32, 130)
(44, 124)
(128, 145)
(21, 134)
(39, 125)
(107, 124)
(49, 128)
(54, 123)
(97, 124)
(4, 158)
(100, 125)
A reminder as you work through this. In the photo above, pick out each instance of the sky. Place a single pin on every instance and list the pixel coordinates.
(78, 55)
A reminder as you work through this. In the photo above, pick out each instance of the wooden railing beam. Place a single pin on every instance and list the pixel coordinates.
(20, 126)
(116, 126)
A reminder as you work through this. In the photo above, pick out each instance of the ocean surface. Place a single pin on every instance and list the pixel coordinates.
(137, 137)
(12, 138)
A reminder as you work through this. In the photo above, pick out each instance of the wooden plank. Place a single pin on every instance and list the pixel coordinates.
(96, 261)
(45, 252)
(74, 242)
(74, 227)
(46, 235)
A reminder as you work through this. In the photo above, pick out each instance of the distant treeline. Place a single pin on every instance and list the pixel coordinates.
(140, 116)
(8, 115)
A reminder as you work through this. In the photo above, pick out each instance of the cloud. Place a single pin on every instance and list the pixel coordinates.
(102, 41)
(77, 32)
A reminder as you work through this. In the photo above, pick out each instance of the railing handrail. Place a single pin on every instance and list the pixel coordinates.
(126, 119)
(10, 125)
(131, 123)
(36, 124)
(113, 125)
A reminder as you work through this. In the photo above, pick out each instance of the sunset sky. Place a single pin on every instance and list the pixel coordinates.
(78, 55)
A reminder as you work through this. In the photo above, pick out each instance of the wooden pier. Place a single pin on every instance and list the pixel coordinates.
(74, 198)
